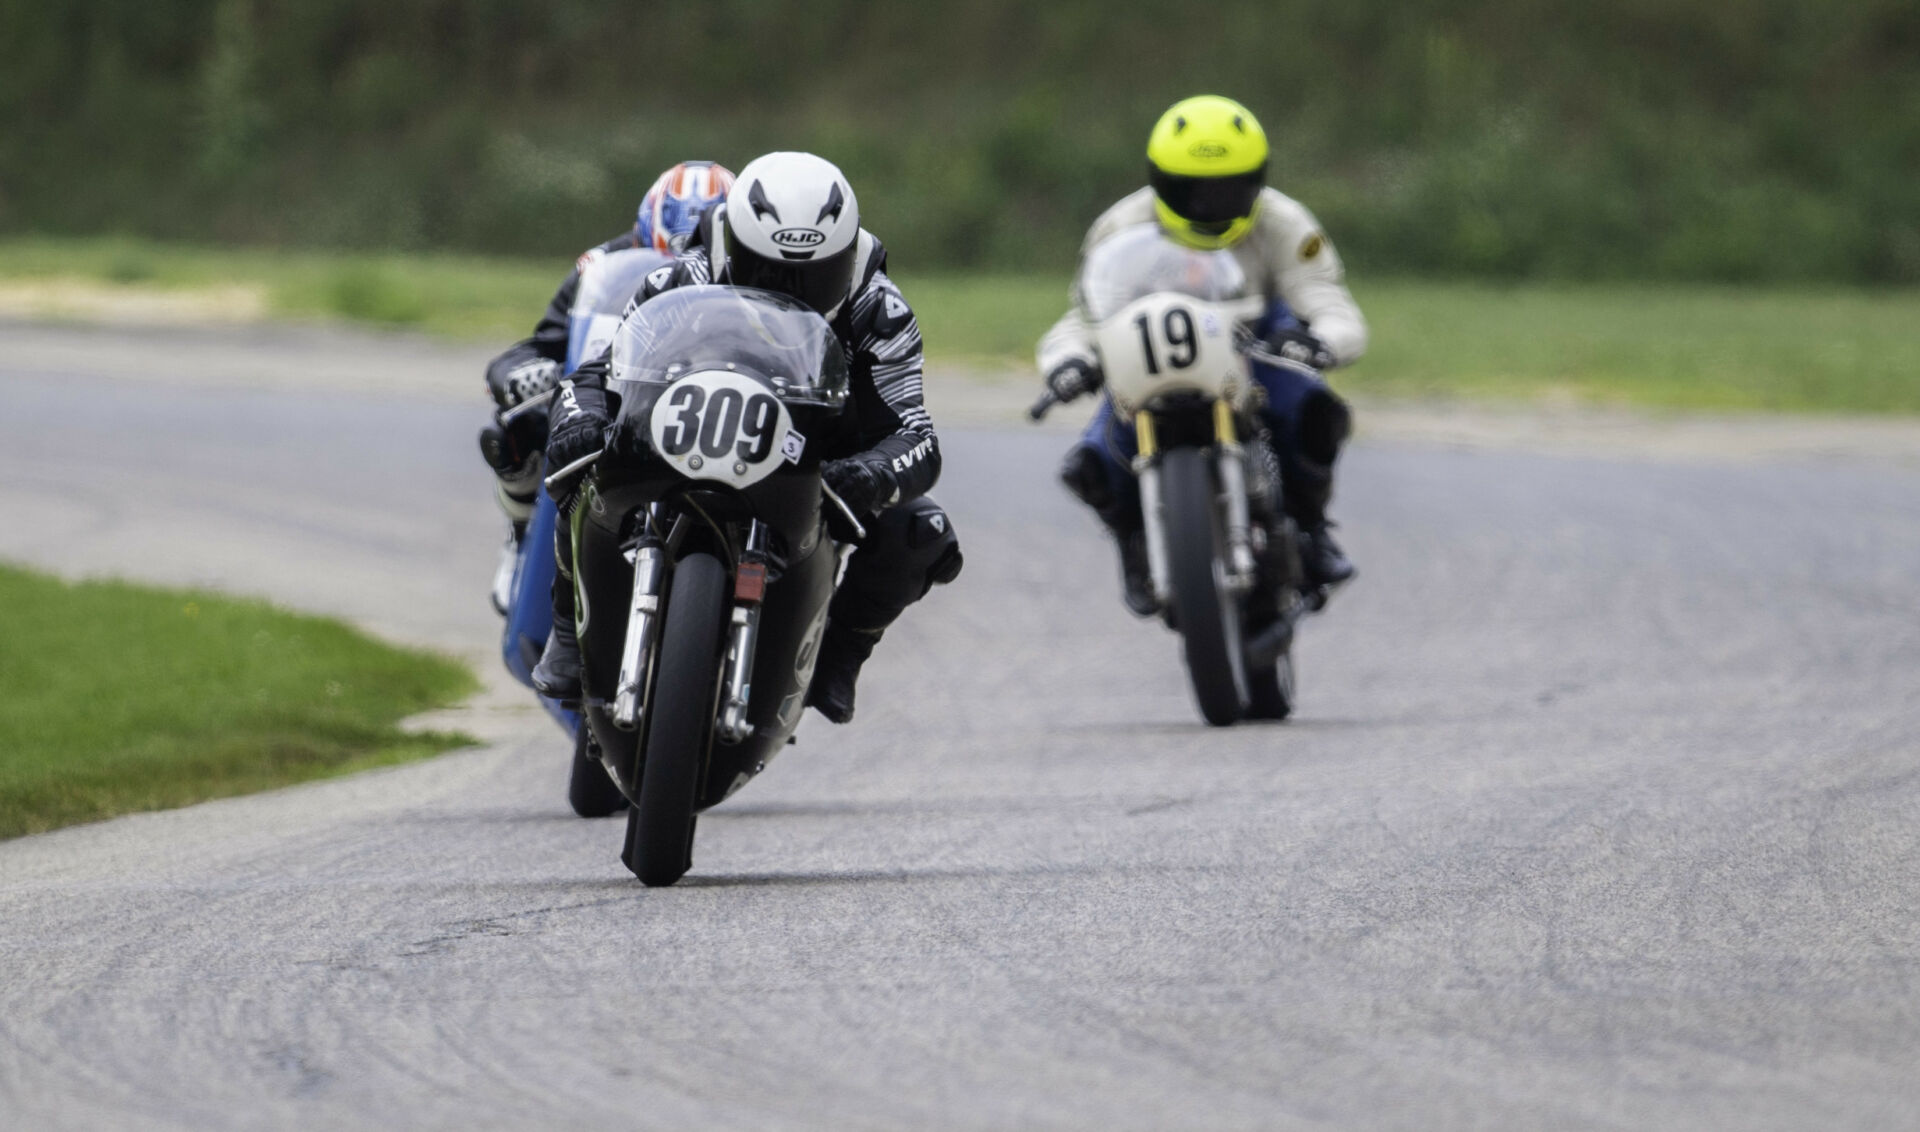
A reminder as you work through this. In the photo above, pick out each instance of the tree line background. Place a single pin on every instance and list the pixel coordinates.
(1742, 140)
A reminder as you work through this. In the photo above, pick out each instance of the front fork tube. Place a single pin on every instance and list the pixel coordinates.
(1241, 564)
(749, 590)
(1146, 470)
(636, 650)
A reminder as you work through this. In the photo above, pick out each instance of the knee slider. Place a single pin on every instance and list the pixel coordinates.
(1083, 475)
(516, 501)
(508, 449)
(936, 549)
(911, 543)
(1325, 424)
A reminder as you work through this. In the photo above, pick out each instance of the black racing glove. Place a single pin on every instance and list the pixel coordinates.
(864, 482)
(579, 430)
(1074, 378)
(1297, 345)
(520, 375)
(512, 446)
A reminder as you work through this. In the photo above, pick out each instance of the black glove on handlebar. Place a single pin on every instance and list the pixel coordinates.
(1073, 378)
(512, 446)
(864, 482)
(579, 429)
(1301, 346)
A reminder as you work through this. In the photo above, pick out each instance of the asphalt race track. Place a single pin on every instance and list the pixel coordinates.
(1602, 810)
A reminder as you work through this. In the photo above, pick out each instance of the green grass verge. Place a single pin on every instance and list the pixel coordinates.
(1660, 346)
(450, 295)
(116, 698)
(1668, 346)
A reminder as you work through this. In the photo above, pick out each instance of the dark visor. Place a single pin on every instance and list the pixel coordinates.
(822, 283)
(1209, 200)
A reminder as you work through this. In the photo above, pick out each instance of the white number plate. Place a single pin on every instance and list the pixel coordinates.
(715, 425)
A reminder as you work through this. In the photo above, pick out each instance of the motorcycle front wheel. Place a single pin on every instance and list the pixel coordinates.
(1206, 612)
(680, 722)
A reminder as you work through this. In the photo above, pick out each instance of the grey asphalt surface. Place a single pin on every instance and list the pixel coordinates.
(1600, 811)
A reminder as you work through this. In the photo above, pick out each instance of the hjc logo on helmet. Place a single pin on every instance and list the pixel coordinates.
(1207, 149)
(798, 237)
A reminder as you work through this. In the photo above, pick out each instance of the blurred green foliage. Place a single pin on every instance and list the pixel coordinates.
(372, 293)
(1703, 139)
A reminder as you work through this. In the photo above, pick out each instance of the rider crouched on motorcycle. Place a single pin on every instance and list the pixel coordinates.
(512, 444)
(1207, 164)
(791, 224)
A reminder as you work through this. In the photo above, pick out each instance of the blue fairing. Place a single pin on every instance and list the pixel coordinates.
(577, 331)
(606, 285)
(530, 616)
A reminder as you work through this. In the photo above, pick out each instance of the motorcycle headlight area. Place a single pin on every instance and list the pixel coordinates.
(725, 427)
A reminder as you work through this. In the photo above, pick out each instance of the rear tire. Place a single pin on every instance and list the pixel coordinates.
(1207, 614)
(680, 724)
(590, 789)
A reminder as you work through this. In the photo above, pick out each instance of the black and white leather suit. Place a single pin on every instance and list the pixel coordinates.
(910, 544)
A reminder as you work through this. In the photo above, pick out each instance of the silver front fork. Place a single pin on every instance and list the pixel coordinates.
(636, 651)
(1146, 470)
(736, 693)
(1154, 516)
(1241, 567)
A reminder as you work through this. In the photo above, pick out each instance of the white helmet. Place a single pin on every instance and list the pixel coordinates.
(793, 226)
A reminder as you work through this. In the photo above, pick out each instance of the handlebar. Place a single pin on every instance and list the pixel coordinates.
(1039, 408)
(584, 462)
(859, 531)
(580, 465)
(529, 405)
(1257, 351)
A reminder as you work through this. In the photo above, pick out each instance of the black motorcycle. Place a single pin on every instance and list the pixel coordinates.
(703, 560)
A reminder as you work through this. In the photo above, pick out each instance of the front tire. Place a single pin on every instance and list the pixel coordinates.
(680, 724)
(590, 789)
(1206, 612)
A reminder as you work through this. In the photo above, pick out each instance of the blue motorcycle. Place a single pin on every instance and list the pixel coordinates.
(606, 285)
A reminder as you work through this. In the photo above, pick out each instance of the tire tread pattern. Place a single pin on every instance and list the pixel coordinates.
(1193, 540)
(680, 724)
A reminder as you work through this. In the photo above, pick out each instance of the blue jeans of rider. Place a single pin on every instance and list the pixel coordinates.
(1308, 422)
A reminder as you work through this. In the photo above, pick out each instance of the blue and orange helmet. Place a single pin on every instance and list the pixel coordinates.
(673, 205)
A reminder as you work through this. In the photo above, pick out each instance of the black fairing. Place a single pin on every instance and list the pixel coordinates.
(629, 479)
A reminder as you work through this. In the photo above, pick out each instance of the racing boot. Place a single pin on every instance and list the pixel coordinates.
(1323, 426)
(1084, 477)
(557, 676)
(1321, 558)
(1136, 577)
(842, 652)
(516, 489)
(501, 593)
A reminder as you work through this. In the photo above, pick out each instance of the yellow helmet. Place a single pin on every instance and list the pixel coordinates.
(1207, 161)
